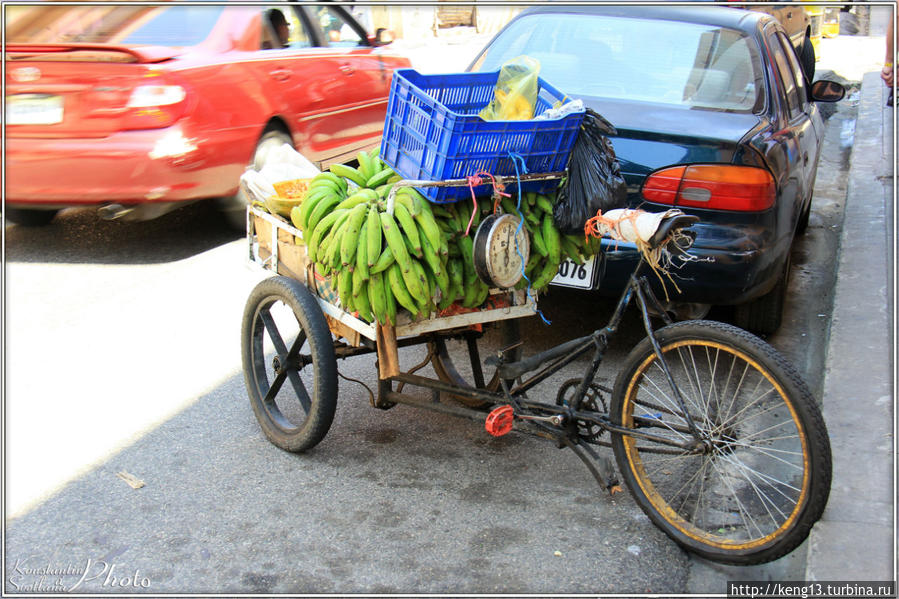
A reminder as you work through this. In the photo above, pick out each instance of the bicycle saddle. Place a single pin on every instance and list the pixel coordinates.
(670, 224)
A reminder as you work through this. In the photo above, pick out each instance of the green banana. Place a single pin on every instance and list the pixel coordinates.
(309, 204)
(383, 262)
(362, 302)
(551, 238)
(427, 285)
(348, 172)
(326, 176)
(365, 165)
(400, 292)
(390, 302)
(537, 241)
(373, 235)
(361, 196)
(349, 242)
(465, 248)
(377, 297)
(431, 230)
(362, 252)
(324, 226)
(357, 282)
(456, 270)
(408, 225)
(545, 275)
(327, 204)
(379, 178)
(544, 204)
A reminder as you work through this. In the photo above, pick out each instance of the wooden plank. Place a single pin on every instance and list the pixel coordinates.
(388, 356)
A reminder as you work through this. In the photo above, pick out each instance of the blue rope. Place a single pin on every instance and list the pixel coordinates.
(516, 158)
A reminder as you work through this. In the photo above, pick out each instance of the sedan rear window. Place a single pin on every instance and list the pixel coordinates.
(644, 60)
(130, 25)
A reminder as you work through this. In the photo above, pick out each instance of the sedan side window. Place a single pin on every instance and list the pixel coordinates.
(338, 30)
(798, 73)
(282, 29)
(786, 75)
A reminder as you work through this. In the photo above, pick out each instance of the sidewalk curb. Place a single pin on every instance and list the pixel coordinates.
(854, 538)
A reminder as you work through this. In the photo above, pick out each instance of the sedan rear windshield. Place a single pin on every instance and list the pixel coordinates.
(126, 25)
(644, 60)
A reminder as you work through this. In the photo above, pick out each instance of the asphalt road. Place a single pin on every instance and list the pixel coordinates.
(122, 355)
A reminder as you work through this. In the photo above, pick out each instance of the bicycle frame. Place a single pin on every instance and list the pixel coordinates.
(547, 363)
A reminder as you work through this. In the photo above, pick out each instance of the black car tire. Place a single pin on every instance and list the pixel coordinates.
(29, 218)
(802, 223)
(763, 315)
(235, 207)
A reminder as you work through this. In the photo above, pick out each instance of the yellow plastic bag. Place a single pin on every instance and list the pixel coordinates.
(515, 96)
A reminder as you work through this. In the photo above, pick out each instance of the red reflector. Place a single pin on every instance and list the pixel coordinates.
(712, 186)
(500, 420)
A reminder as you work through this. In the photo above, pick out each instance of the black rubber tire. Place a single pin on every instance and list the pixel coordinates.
(802, 223)
(234, 208)
(29, 218)
(446, 370)
(284, 418)
(764, 315)
(747, 473)
(807, 62)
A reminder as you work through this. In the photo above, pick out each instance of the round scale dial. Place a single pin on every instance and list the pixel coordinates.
(499, 253)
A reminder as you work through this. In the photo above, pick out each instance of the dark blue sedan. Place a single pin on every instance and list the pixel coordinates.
(713, 115)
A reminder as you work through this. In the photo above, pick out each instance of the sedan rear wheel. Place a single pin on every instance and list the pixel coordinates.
(763, 315)
(235, 207)
(29, 218)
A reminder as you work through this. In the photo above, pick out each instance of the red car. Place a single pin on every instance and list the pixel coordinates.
(141, 109)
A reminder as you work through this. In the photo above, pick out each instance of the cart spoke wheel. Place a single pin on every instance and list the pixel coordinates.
(285, 339)
(453, 364)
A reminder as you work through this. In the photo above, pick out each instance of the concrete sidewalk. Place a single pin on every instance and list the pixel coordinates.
(855, 539)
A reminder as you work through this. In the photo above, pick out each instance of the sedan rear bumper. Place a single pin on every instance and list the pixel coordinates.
(719, 275)
(131, 167)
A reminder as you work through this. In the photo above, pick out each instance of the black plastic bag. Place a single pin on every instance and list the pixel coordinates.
(594, 180)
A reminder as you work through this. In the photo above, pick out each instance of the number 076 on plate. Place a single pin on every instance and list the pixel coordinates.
(580, 276)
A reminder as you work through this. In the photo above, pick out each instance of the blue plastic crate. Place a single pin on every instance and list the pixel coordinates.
(433, 132)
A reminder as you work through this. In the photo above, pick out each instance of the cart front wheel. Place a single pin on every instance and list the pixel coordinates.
(288, 364)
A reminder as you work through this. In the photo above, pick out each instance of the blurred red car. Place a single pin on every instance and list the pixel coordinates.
(140, 109)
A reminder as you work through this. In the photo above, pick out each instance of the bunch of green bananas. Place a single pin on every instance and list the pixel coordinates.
(419, 258)
(377, 261)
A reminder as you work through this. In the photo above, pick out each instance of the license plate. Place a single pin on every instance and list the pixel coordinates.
(574, 275)
(33, 109)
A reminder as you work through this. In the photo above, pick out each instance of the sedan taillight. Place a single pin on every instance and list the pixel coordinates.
(155, 106)
(712, 186)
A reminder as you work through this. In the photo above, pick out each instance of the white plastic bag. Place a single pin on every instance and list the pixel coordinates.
(282, 164)
(285, 164)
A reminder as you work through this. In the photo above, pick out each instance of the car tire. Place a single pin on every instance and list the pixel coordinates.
(802, 223)
(29, 218)
(764, 315)
(235, 207)
(807, 61)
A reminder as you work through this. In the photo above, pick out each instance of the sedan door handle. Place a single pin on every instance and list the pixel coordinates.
(280, 74)
(346, 69)
(805, 158)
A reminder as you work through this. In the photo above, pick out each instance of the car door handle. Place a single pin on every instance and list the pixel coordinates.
(805, 158)
(346, 69)
(280, 74)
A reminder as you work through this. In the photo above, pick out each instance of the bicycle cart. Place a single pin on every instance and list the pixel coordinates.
(716, 436)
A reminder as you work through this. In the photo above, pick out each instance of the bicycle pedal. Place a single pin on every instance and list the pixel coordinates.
(500, 420)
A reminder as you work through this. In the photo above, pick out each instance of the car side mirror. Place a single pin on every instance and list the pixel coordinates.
(827, 91)
(383, 36)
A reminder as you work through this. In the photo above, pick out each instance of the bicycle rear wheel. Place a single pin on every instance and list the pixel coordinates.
(752, 489)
